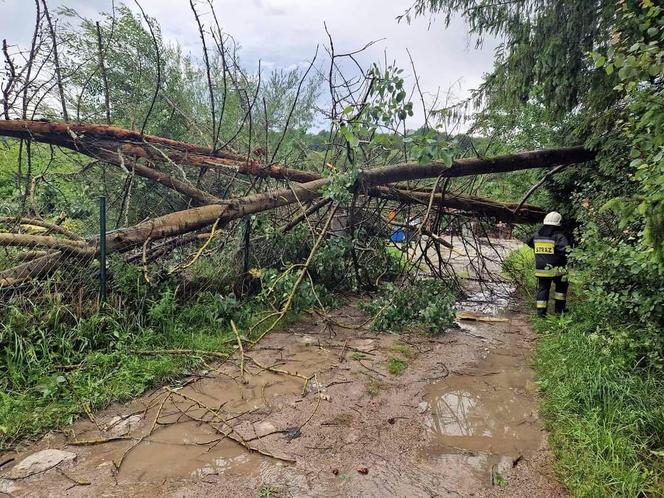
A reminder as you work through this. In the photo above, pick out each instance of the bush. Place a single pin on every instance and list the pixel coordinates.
(519, 266)
(425, 303)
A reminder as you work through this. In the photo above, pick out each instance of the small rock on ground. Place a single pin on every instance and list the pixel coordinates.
(39, 462)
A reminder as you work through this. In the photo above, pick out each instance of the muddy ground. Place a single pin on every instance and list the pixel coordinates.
(314, 410)
(459, 420)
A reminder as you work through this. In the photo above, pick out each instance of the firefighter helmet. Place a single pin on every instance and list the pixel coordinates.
(553, 218)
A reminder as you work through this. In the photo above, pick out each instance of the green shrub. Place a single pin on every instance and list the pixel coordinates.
(519, 267)
(425, 303)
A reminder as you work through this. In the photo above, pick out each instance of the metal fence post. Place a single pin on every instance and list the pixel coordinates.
(102, 250)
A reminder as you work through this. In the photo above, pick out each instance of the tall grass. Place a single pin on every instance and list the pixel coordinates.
(55, 365)
(606, 417)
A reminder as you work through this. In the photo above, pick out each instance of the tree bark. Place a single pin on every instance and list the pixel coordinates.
(78, 248)
(476, 205)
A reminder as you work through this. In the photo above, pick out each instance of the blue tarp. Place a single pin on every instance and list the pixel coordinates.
(398, 235)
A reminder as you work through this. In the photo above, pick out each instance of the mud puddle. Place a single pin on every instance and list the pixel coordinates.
(191, 442)
(484, 418)
(314, 411)
(491, 299)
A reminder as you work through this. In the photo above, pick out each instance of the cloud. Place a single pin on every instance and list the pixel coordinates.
(285, 33)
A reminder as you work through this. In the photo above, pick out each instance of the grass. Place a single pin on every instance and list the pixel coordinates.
(55, 374)
(606, 420)
(268, 491)
(404, 349)
(396, 366)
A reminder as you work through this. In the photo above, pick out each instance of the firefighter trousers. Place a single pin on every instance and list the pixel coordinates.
(559, 296)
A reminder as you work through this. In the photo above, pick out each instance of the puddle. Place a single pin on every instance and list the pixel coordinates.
(183, 448)
(482, 418)
(179, 451)
(492, 299)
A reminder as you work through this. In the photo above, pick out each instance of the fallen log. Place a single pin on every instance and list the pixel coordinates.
(475, 205)
(101, 140)
(92, 139)
(51, 227)
(77, 247)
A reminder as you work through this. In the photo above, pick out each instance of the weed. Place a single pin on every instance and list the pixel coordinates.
(396, 365)
(357, 356)
(499, 479)
(268, 491)
(374, 387)
(404, 349)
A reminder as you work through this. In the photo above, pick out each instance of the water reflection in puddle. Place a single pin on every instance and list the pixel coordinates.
(484, 418)
(492, 299)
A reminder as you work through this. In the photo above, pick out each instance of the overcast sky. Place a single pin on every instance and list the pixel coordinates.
(284, 33)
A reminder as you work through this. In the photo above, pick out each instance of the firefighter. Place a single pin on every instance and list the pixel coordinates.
(550, 247)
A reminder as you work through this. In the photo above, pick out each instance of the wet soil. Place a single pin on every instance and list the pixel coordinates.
(460, 420)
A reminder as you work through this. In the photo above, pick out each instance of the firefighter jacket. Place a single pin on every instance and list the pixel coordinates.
(550, 247)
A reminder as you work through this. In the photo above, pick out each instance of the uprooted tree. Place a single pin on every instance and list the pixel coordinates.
(235, 153)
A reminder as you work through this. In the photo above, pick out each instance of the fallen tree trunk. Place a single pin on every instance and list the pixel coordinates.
(35, 241)
(469, 167)
(51, 227)
(474, 205)
(93, 139)
(101, 140)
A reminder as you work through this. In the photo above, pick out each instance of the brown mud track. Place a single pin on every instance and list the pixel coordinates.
(460, 420)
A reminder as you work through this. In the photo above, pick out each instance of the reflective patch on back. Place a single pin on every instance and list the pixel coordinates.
(544, 247)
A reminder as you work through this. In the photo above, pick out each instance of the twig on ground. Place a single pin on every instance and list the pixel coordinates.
(231, 433)
(285, 372)
(185, 352)
(371, 369)
(93, 442)
(239, 345)
(77, 482)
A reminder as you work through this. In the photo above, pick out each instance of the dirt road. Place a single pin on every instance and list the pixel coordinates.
(460, 419)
